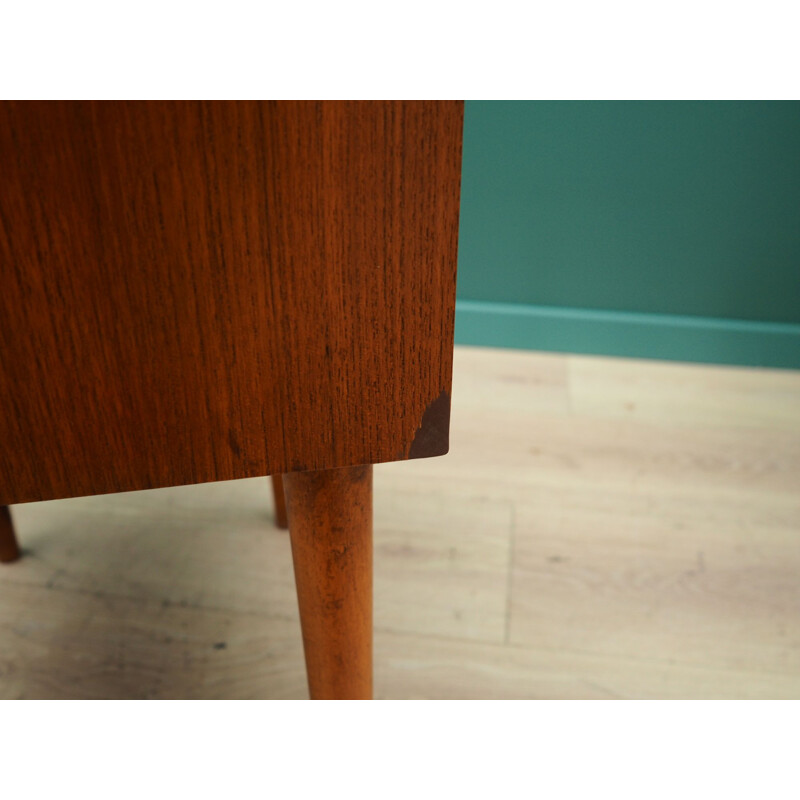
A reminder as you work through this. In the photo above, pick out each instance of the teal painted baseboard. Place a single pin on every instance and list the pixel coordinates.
(612, 333)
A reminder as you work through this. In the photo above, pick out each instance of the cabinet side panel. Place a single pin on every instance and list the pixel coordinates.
(194, 292)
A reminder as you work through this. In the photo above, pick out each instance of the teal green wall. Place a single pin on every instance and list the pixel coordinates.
(652, 229)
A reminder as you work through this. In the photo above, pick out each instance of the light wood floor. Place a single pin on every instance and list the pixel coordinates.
(601, 528)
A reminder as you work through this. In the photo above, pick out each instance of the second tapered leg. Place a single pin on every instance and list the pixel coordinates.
(9, 549)
(330, 526)
(280, 501)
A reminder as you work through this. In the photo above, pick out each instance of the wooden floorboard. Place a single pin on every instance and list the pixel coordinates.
(602, 528)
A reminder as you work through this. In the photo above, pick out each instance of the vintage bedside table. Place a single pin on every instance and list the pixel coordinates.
(205, 291)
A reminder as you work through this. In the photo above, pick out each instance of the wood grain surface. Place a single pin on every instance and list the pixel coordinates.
(330, 526)
(202, 291)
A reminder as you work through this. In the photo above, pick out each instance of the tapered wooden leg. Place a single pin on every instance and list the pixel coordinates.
(280, 501)
(330, 526)
(9, 549)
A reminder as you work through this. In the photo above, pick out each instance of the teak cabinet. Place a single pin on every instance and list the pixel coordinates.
(204, 291)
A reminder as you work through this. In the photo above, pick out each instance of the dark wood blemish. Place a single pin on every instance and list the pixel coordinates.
(433, 435)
